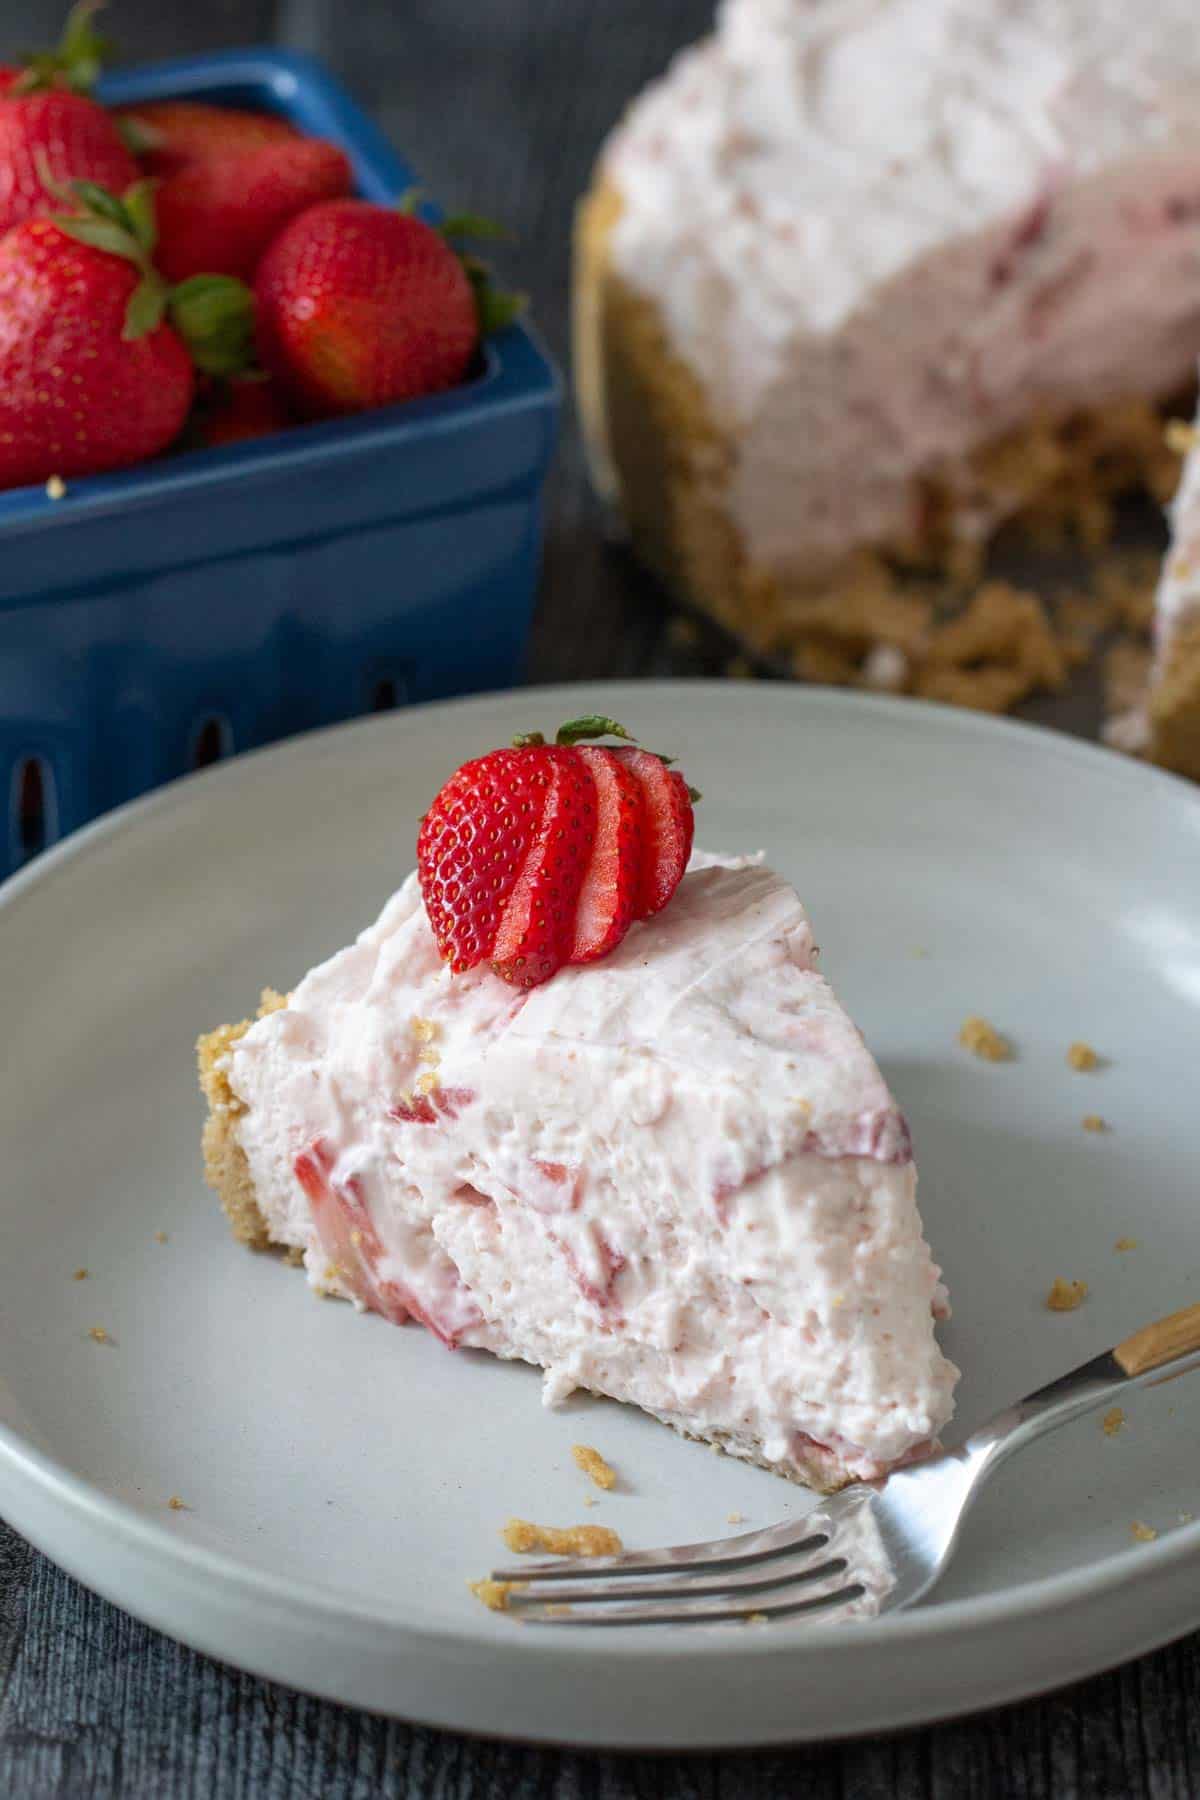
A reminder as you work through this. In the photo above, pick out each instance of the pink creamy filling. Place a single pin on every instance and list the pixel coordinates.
(350, 1241)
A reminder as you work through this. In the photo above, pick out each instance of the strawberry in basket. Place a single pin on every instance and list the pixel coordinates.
(98, 354)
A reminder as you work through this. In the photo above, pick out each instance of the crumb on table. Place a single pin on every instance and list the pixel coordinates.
(494, 1594)
(1093, 1122)
(1066, 1296)
(176, 1504)
(734, 1518)
(160, 1237)
(594, 1465)
(1081, 1056)
(1126, 1243)
(1142, 1534)
(98, 1334)
(1112, 1421)
(983, 1040)
(561, 1540)
(80, 1275)
(755, 1618)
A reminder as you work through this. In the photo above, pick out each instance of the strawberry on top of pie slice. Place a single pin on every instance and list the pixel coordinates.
(669, 1171)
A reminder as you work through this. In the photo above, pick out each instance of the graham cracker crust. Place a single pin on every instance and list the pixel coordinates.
(899, 615)
(1175, 704)
(225, 1167)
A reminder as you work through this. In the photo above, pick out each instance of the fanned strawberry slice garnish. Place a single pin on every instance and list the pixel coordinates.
(610, 886)
(472, 846)
(545, 854)
(537, 928)
(668, 825)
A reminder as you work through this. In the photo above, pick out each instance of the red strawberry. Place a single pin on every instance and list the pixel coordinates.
(537, 926)
(61, 135)
(360, 305)
(219, 215)
(544, 854)
(608, 893)
(668, 823)
(170, 134)
(244, 410)
(76, 396)
(96, 353)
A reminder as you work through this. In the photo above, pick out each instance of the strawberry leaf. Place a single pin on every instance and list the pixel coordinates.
(100, 234)
(76, 62)
(146, 308)
(214, 315)
(497, 309)
(137, 136)
(595, 725)
(474, 225)
(138, 206)
(98, 201)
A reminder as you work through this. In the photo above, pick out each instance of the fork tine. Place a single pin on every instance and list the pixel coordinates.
(809, 1533)
(835, 1599)
(760, 1577)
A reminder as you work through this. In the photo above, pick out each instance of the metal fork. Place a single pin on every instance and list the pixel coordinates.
(871, 1549)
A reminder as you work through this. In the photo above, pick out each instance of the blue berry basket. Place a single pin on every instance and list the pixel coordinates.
(218, 599)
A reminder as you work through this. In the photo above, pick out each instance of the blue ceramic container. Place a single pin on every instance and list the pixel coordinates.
(219, 599)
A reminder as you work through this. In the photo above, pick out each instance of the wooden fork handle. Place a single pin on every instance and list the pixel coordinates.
(1162, 1342)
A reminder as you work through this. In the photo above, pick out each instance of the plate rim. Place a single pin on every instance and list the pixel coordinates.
(81, 1505)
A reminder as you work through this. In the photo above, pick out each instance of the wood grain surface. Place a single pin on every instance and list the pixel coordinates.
(501, 104)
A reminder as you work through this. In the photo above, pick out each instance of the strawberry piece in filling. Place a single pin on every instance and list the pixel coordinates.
(352, 1245)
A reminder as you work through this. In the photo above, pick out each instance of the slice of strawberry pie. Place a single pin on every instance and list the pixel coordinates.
(565, 1102)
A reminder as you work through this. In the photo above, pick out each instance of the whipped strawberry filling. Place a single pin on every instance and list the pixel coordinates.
(674, 1175)
(885, 234)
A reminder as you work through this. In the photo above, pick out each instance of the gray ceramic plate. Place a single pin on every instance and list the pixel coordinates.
(343, 1479)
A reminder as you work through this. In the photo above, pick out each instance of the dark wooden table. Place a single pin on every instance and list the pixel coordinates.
(500, 104)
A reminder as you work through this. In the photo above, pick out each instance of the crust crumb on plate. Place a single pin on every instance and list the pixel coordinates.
(1142, 1534)
(80, 1275)
(1126, 1243)
(1066, 1296)
(98, 1335)
(594, 1465)
(561, 1540)
(1112, 1421)
(1081, 1056)
(176, 1504)
(494, 1594)
(983, 1040)
(1093, 1122)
